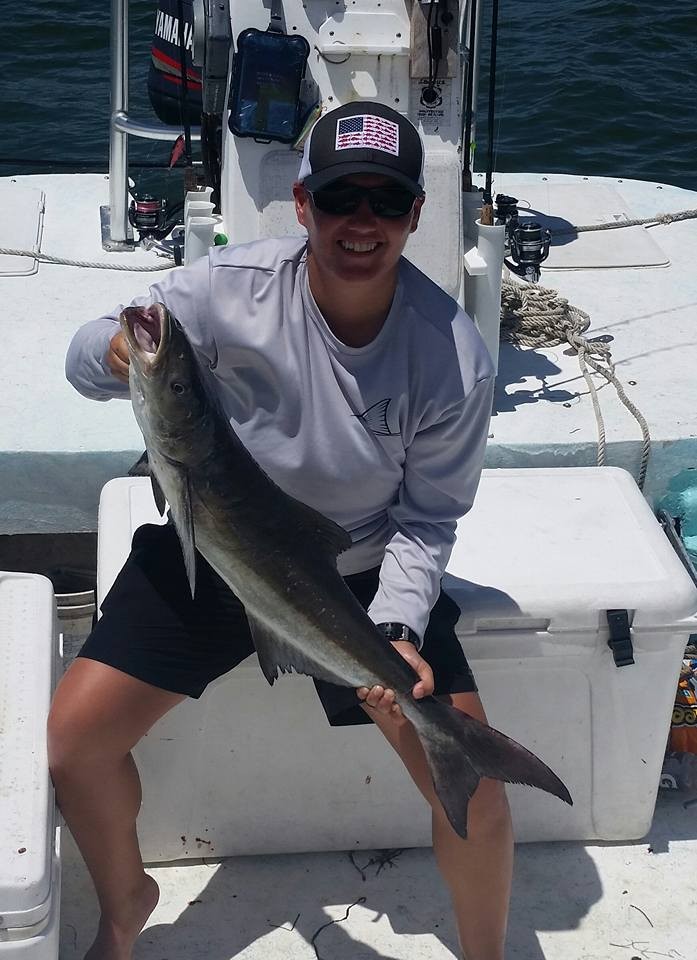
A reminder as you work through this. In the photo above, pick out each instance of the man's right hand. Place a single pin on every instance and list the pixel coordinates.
(117, 356)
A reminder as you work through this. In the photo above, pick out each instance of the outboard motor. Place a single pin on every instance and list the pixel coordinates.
(165, 76)
(205, 33)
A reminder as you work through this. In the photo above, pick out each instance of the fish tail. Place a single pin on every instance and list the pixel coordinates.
(460, 750)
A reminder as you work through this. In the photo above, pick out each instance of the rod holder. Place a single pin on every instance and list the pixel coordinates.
(484, 271)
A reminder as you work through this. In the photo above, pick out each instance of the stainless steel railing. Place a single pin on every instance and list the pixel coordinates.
(116, 233)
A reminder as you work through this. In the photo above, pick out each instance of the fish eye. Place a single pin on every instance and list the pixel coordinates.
(177, 387)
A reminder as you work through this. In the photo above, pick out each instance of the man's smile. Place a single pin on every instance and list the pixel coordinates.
(359, 246)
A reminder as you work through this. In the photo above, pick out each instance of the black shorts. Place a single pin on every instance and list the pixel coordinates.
(152, 629)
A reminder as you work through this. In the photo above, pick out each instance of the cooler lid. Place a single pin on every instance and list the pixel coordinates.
(557, 547)
(28, 652)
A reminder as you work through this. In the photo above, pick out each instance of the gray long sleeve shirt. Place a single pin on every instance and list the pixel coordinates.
(387, 439)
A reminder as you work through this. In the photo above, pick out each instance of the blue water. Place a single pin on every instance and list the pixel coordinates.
(607, 88)
(588, 86)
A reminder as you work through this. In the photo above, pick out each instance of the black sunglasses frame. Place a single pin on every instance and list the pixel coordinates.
(350, 196)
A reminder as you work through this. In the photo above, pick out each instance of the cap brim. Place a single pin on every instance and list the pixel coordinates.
(324, 177)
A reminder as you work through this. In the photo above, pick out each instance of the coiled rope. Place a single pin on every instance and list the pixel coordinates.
(47, 258)
(536, 316)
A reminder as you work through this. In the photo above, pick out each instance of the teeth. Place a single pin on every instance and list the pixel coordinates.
(358, 247)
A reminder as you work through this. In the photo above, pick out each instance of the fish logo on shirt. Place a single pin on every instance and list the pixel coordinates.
(375, 418)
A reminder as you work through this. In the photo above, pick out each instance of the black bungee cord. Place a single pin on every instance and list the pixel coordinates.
(469, 103)
(189, 175)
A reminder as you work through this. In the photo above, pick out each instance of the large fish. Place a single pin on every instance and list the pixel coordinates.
(279, 557)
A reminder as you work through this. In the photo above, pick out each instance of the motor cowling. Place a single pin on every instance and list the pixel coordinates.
(165, 75)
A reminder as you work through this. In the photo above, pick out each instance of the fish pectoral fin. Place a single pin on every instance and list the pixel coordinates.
(158, 495)
(183, 517)
(276, 654)
(141, 468)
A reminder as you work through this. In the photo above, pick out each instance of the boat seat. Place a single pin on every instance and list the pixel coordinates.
(29, 832)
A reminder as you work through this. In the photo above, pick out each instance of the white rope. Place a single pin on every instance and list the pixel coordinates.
(47, 258)
(660, 218)
(536, 316)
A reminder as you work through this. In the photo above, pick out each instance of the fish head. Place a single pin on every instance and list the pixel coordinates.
(168, 396)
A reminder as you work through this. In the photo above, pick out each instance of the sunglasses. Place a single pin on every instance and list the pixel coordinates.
(385, 201)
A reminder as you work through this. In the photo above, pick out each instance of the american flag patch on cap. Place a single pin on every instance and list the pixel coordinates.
(367, 131)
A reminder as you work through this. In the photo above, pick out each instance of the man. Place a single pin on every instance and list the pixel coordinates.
(362, 390)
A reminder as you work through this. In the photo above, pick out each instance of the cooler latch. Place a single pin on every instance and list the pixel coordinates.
(620, 641)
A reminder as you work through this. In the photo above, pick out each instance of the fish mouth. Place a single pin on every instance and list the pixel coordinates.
(147, 333)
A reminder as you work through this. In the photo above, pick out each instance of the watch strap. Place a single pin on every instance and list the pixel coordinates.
(399, 631)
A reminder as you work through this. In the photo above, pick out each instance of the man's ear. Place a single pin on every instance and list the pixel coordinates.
(416, 213)
(301, 199)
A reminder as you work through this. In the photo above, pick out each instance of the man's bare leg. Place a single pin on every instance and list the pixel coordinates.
(97, 717)
(477, 870)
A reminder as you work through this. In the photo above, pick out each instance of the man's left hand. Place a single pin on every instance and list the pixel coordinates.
(383, 699)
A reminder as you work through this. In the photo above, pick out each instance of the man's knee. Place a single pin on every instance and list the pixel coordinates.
(71, 741)
(488, 811)
(99, 714)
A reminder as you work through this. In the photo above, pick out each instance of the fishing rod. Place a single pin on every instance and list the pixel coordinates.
(487, 216)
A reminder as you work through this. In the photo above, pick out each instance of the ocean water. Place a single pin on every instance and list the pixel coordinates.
(605, 87)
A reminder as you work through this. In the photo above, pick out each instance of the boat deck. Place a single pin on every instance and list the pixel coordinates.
(543, 415)
(571, 901)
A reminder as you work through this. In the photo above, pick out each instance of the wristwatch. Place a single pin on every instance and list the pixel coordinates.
(399, 631)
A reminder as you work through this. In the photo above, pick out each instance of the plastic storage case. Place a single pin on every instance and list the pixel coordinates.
(267, 72)
(538, 563)
(29, 834)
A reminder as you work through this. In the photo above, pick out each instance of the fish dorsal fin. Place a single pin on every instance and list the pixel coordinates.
(277, 655)
(322, 530)
(183, 517)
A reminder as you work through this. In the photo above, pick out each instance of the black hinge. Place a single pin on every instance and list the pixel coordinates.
(620, 641)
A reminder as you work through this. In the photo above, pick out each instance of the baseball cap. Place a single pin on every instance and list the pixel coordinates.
(363, 136)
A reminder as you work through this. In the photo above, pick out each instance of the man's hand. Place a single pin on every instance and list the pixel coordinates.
(117, 356)
(384, 700)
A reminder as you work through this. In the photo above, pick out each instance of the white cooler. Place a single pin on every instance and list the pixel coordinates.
(575, 616)
(541, 562)
(29, 834)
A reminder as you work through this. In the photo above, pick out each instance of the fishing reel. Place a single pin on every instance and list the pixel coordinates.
(526, 242)
(529, 248)
(148, 214)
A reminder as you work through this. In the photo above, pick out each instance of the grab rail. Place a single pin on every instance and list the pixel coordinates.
(116, 233)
